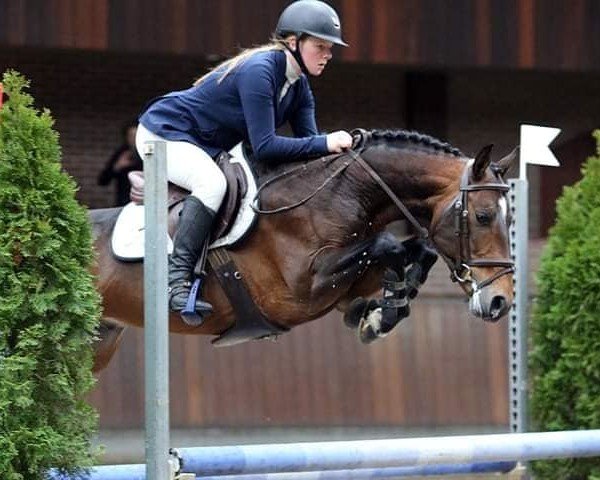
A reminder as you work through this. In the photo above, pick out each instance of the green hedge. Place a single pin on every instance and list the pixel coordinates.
(49, 308)
(565, 356)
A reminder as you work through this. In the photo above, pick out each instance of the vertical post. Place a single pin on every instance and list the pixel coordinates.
(156, 328)
(1, 94)
(517, 334)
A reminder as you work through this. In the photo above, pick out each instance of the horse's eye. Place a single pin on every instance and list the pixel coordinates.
(484, 217)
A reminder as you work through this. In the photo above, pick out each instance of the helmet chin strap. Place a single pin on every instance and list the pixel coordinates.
(296, 54)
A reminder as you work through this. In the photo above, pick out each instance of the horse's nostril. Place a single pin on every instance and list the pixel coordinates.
(498, 307)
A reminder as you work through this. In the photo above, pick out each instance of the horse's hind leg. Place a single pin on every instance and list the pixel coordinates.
(109, 338)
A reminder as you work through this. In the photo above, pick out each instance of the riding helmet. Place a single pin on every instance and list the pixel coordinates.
(311, 17)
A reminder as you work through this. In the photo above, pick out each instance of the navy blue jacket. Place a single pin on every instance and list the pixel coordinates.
(244, 106)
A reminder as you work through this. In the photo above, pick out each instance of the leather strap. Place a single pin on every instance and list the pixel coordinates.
(423, 233)
(250, 322)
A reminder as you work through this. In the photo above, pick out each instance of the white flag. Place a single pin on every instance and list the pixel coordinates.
(535, 141)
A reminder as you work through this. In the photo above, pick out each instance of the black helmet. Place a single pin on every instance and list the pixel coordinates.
(311, 17)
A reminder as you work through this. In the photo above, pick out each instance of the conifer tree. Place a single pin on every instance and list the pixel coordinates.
(49, 308)
(565, 357)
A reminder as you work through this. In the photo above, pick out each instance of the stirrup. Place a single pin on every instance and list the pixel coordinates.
(190, 314)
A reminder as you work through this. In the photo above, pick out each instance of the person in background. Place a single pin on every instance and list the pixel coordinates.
(245, 98)
(124, 160)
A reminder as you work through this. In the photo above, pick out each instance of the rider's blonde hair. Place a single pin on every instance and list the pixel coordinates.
(229, 64)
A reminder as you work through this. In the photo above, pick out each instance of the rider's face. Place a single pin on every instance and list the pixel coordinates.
(315, 53)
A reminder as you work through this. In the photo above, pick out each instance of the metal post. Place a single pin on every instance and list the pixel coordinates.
(517, 334)
(156, 331)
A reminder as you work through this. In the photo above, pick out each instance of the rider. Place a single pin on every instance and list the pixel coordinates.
(244, 98)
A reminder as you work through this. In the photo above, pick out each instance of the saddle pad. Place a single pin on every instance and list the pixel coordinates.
(127, 240)
(246, 217)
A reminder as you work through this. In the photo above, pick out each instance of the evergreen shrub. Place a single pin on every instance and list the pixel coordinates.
(565, 330)
(49, 309)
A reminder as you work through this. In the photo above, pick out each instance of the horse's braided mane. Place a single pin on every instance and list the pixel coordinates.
(412, 137)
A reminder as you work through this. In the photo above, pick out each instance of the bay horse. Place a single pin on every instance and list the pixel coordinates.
(332, 250)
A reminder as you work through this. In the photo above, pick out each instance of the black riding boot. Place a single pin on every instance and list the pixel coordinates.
(194, 229)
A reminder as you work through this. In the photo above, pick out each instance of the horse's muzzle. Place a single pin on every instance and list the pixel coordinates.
(490, 303)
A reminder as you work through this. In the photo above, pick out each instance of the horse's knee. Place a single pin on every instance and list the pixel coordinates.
(109, 338)
(422, 258)
(385, 242)
(390, 249)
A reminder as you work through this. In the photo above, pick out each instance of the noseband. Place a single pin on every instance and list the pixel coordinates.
(460, 267)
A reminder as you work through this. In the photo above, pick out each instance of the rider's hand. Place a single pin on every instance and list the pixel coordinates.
(338, 141)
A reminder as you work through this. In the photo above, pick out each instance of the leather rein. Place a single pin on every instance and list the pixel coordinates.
(460, 268)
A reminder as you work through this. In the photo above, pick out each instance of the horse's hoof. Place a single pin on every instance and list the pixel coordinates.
(367, 335)
(370, 326)
(356, 311)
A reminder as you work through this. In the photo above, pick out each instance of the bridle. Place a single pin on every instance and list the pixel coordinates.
(460, 267)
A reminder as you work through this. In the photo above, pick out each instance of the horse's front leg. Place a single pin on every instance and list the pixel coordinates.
(421, 259)
(339, 269)
(376, 318)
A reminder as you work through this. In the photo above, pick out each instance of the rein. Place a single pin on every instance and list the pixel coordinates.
(423, 233)
(287, 173)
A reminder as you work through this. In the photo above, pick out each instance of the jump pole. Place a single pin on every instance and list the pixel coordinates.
(362, 454)
(381, 456)
(371, 473)
(137, 472)
(156, 315)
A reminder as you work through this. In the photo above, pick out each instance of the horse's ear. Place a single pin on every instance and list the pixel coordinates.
(502, 165)
(482, 162)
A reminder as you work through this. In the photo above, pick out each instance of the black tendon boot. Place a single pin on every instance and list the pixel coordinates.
(194, 228)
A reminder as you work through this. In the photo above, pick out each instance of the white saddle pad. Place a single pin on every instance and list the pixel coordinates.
(127, 240)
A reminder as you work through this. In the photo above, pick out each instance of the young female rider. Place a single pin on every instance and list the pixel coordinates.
(244, 98)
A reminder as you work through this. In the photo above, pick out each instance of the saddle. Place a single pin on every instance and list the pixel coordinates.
(237, 188)
(233, 222)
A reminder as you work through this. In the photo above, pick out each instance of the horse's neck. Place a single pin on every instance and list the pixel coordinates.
(420, 179)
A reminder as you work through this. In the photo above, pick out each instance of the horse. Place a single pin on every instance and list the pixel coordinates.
(330, 248)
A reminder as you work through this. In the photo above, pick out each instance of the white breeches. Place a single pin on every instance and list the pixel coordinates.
(189, 167)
